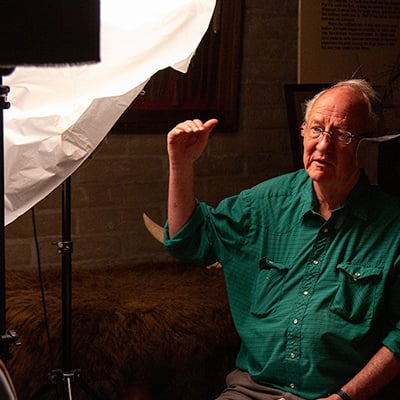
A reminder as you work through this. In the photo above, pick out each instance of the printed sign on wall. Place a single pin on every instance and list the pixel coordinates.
(340, 39)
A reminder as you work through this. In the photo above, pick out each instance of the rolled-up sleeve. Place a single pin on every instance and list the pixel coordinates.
(213, 233)
(192, 242)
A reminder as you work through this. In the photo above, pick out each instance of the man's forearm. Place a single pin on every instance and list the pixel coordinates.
(379, 371)
(181, 199)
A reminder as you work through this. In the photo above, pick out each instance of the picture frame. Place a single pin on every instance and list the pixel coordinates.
(296, 97)
(209, 89)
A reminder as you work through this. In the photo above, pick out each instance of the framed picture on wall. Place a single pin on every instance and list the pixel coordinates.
(296, 97)
(210, 88)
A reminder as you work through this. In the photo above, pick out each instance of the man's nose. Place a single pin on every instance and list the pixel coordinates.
(324, 140)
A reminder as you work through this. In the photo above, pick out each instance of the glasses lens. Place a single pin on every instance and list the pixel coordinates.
(343, 137)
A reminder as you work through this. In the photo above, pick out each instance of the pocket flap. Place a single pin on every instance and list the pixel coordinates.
(360, 271)
(266, 263)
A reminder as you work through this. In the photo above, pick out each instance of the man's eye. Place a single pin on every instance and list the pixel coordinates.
(316, 129)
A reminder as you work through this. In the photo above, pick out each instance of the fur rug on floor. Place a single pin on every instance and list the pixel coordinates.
(164, 325)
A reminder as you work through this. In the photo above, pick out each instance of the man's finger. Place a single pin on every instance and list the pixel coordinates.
(211, 123)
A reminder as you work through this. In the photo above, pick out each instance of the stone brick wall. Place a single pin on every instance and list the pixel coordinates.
(127, 174)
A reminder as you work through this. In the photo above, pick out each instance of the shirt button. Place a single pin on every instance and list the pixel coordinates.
(305, 293)
(292, 355)
(292, 385)
(315, 262)
(296, 321)
(326, 230)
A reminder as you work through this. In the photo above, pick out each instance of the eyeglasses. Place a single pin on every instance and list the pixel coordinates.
(338, 135)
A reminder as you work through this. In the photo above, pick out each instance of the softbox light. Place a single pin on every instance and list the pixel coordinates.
(49, 32)
(59, 115)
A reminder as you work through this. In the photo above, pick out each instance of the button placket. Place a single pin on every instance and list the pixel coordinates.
(310, 277)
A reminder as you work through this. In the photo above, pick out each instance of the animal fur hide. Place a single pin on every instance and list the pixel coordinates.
(164, 325)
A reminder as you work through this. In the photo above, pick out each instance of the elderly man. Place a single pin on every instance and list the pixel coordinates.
(311, 260)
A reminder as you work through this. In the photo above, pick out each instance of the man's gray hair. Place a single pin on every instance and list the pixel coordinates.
(368, 92)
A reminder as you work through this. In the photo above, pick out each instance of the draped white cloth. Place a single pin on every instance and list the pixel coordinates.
(59, 115)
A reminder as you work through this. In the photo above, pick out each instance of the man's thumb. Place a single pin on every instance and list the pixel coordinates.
(210, 124)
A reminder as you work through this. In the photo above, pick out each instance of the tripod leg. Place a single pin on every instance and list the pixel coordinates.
(69, 390)
(75, 377)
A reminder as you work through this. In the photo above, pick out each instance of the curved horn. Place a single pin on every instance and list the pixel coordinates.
(157, 231)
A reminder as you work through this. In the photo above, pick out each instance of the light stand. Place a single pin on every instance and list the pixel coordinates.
(67, 375)
(65, 248)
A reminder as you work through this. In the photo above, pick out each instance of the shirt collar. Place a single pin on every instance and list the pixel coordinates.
(356, 203)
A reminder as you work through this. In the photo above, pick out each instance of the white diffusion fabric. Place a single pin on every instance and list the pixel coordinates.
(59, 115)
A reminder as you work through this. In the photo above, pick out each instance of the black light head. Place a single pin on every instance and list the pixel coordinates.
(49, 32)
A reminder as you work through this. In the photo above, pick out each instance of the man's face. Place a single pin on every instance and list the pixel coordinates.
(326, 160)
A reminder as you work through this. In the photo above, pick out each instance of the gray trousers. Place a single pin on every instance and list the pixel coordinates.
(240, 386)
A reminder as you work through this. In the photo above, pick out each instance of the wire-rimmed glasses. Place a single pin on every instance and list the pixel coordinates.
(339, 135)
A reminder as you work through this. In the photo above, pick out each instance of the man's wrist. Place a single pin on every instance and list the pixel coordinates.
(343, 395)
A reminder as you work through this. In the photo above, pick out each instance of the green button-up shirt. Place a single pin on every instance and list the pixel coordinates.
(312, 300)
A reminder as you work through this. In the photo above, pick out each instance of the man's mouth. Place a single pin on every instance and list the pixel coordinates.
(321, 161)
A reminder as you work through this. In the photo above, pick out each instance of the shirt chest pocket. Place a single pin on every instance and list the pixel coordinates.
(268, 287)
(357, 295)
